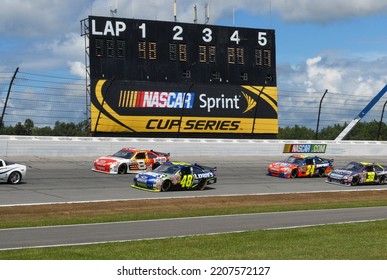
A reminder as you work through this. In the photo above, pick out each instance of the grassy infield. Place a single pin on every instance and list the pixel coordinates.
(363, 241)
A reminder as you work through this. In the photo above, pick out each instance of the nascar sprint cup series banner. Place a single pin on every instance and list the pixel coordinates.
(176, 108)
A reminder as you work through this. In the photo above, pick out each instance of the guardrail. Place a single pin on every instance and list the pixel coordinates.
(45, 146)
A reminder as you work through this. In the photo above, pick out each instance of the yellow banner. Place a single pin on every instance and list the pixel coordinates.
(150, 124)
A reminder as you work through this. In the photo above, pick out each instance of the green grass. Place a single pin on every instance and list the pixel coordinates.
(84, 217)
(363, 241)
(354, 241)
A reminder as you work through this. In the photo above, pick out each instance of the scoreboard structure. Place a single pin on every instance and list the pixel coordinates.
(169, 79)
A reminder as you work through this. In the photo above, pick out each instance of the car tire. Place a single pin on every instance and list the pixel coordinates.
(15, 177)
(202, 184)
(122, 169)
(355, 181)
(321, 172)
(294, 173)
(381, 180)
(166, 186)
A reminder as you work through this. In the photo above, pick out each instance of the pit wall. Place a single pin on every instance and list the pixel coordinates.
(42, 146)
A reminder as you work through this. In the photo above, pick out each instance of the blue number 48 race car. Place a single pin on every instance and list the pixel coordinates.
(175, 175)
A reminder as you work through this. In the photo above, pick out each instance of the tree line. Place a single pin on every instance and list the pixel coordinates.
(371, 131)
(59, 129)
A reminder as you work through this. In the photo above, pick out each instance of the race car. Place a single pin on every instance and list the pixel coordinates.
(176, 175)
(301, 166)
(130, 160)
(355, 173)
(12, 172)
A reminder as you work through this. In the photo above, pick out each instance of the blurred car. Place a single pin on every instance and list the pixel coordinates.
(176, 175)
(355, 173)
(130, 160)
(301, 166)
(12, 172)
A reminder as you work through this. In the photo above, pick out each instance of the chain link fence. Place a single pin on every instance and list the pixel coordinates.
(42, 99)
(48, 99)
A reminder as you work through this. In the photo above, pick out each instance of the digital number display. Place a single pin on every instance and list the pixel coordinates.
(167, 51)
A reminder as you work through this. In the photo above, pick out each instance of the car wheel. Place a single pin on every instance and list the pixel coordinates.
(294, 173)
(122, 169)
(355, 181)
(202, 184)
(321, 172)
(381, 180)
(166, 186)
(15, 177)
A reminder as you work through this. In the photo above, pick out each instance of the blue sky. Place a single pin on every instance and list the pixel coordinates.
(340, 45)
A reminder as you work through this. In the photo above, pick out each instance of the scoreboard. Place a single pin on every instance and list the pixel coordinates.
(181, 79)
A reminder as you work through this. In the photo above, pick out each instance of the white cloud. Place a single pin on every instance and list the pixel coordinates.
(321, 76)
(69, 47)
(327, 10)
(77, 68)
(22, 18)
(295, 10)
(40, 18)
(351, 85)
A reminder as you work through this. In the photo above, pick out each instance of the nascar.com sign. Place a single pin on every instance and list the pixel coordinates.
(305, 148)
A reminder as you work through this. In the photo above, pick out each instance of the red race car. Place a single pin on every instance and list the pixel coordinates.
(130, 160)
(301, 166)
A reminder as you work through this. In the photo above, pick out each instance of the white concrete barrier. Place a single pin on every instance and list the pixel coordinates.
(44, 146)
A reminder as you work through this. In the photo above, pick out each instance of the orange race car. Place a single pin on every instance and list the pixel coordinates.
(301, 166)
(130, 160)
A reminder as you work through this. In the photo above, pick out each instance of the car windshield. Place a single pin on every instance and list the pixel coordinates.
(124, 154)
(294, 160)
(353, 166)
(167, 168)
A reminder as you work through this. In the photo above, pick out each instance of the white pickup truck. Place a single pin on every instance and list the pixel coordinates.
(12, 172)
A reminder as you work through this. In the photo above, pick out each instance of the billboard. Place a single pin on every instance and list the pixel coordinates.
(168, 78)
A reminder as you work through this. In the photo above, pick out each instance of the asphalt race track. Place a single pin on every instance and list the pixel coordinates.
(155, 229)
(71, 180)
(67, 180)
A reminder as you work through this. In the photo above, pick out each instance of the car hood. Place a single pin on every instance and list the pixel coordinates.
(341, 173)
(151, 175)
(108, 160)
(279, 164)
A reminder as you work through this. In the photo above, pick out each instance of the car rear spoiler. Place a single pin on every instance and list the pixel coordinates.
(213, 169)
(162, 153)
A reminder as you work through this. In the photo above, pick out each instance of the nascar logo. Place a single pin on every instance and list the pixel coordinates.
(156, 99)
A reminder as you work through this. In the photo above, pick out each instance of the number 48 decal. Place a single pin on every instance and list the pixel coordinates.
(187, 181)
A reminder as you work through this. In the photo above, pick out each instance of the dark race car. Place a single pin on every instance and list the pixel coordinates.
(300, 166)
(175, 175)
(355, 173)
